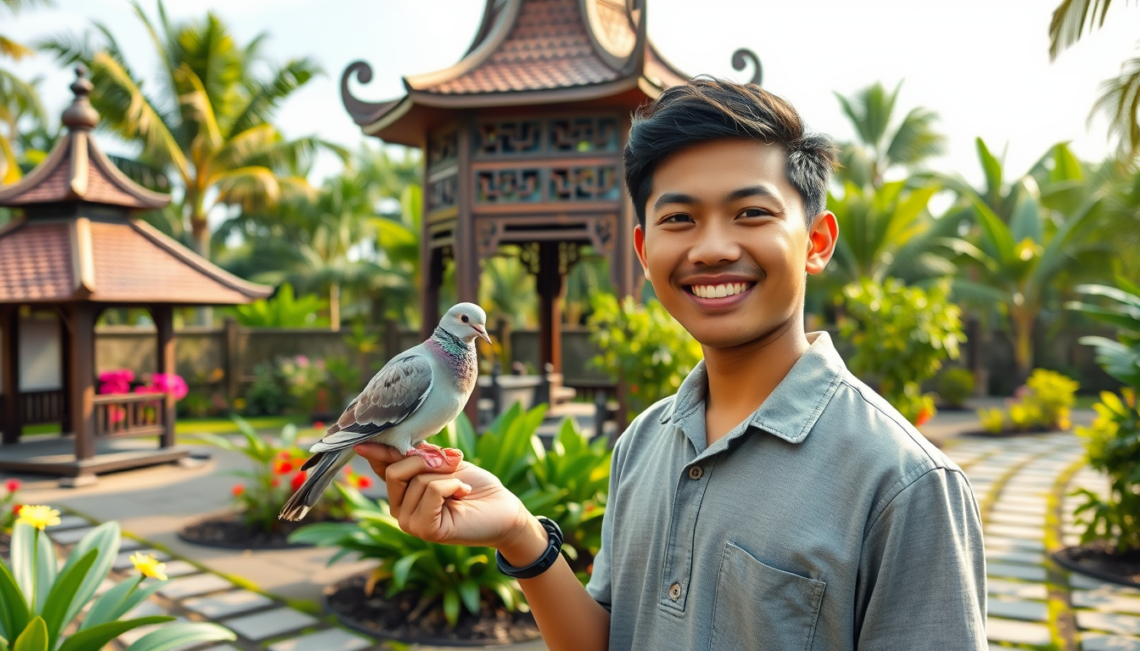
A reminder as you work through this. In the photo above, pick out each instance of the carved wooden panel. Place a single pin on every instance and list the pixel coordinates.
(508, 137)
(443, 148)
(584, 134)
(593, 183)
(441, 193)
(508, 186)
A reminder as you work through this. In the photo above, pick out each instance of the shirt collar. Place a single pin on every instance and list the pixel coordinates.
(793, 408)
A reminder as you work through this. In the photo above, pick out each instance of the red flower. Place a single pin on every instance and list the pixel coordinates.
(923, 417)
(363, 481)
(283, 467)
(299, 479)
(284, 454)
(16, 509)
(275, 483)
(318, 425)
(238, 489)
(12, 485)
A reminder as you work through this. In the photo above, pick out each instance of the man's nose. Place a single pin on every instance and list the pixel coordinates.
(713, 244)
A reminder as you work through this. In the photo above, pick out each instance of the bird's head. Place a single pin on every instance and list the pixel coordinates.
(466, 321)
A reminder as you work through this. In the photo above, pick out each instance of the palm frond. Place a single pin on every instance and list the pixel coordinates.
(1119, 102)
(14, 50)
(1070, 20)
(915, 139)
(266, 97)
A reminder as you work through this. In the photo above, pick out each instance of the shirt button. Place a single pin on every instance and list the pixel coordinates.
(696, 472)
(675, 591)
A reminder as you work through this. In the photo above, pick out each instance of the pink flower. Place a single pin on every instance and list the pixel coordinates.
(12, 485)
(169, 383)
(302, 360)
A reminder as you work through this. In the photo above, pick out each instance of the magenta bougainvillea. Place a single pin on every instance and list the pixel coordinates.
(120, 380)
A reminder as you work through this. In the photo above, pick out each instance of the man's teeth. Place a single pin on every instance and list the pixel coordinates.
(719, 291)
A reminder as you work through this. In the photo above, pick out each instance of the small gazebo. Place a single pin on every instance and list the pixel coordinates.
(523, 141)
(76, 250)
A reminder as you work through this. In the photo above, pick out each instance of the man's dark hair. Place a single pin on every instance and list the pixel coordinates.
(707, 109)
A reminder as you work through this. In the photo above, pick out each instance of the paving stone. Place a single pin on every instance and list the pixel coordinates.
(70, 536)
(1101, 642)
(1017, 589)
(123, 560)
(1024, 493)
(1034, 611)
(1017, 519)
(1013, 531)
(1071, 540)
(1009, 630)
(192, 586)
(69, 522)
(1106, 601)
(1010, 570)
(130, 545)
(1108, 622)
(1025, 544)
(227, 604)
(270, 623)
(144, 609)
(334, 639)
(1020, 508)
(179, 568)
(1014, 556)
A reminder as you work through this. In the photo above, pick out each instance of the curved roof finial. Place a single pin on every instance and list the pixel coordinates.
(81, 116)
(742, 58)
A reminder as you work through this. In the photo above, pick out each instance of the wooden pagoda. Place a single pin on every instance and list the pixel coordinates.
(76, 250)
(523, 143)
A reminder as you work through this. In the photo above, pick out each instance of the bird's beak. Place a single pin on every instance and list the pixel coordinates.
(482, 332)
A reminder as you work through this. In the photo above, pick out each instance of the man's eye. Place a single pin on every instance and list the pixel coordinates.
(677, 219)
(754, 212)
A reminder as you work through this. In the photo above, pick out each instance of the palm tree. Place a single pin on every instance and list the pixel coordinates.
(1032, 240)
(19, 101)
(881, 144)
(207, 118)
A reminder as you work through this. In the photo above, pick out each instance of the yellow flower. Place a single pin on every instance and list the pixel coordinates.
(149, 566)
(39, 517)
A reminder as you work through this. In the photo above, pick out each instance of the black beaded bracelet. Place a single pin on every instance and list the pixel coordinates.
(544, 562)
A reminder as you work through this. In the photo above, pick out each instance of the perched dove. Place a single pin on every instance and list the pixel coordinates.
(414, 396)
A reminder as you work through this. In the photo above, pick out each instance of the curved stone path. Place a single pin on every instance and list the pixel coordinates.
(1022, 487)
(1021, 484)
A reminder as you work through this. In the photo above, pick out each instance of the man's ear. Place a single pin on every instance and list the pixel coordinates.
(639, 246)
(822, 237)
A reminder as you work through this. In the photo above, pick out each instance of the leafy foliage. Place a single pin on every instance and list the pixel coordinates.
(1043, 403)
(569, 483)
(955, 385)
(1112, 443)
(283, 310)
(901, 336)
(38, 603)
(643, 346)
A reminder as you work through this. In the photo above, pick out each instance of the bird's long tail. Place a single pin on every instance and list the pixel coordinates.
(328, 464)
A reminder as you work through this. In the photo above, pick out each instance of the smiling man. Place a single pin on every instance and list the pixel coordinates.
(776, 502)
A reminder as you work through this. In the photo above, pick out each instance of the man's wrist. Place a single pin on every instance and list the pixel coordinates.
(527, 543)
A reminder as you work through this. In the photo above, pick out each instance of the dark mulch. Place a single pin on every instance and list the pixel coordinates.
(393, 618)
(1100, 561)
(229, 531)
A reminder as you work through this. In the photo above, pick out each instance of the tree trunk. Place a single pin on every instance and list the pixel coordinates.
(200, 235)
(334, 306)
(1023, 343)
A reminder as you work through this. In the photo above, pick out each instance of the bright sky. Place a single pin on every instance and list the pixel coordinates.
(983, 65)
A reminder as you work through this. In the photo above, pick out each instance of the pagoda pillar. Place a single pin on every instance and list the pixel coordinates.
(163, 316)
(81, 389)
(12, 423)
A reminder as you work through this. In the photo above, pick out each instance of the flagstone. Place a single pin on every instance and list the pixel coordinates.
(1004, 542)
(1108, 622)
(1101, 642)
(1009, 630)
(1016, 519)
(1018, 589)
(1014, 531)
(70, 536)
(227, 604)
(1035, 611)
(192, 586)
(1106, 601)
(1010, 570)
(333, 639)
(1014, 556)
(270, 623)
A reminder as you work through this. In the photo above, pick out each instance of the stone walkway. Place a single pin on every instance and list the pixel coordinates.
(1021, 484)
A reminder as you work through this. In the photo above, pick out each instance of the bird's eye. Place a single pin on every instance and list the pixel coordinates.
(464, 318)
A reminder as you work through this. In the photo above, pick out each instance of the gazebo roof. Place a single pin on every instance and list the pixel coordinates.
(527, 52)
(99, 253)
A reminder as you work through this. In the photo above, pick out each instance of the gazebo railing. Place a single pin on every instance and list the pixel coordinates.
(128, 414)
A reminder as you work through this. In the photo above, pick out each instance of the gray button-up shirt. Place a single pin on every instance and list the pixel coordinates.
(824, 521)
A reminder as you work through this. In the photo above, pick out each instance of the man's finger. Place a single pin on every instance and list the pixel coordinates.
(422, 516)
(379, 456)
(400, 473)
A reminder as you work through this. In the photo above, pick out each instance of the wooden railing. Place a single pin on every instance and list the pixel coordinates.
(42, 406)
(128, 414)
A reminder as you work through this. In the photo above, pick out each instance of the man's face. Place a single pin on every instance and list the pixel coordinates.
(725, 242)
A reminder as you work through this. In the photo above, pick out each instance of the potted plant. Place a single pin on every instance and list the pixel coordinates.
(275, 474)
(1110, 544)
(39, 603)
(441, 594)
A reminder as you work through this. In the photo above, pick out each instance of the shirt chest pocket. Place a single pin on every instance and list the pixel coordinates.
(760, 608)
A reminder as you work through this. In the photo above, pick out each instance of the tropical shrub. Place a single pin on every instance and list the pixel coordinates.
(304, 380)
(8, 505)
(901, 335)
(568, 483)
(266, 395)
(38, 602)
(1043, 403)
(283, 310)
(955, 385)
(643, 346)
(275, 475)
(1112, 443)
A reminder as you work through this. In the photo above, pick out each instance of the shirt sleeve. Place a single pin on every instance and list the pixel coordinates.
(599, 586)
(922, 574)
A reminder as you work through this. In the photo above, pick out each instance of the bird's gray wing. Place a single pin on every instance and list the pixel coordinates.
(395, 393)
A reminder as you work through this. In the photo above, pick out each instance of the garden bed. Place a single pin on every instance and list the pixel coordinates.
(1099, 561)
(229, 531)
(395, 618)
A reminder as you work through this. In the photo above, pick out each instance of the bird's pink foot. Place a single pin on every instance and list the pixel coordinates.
(435, 456)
